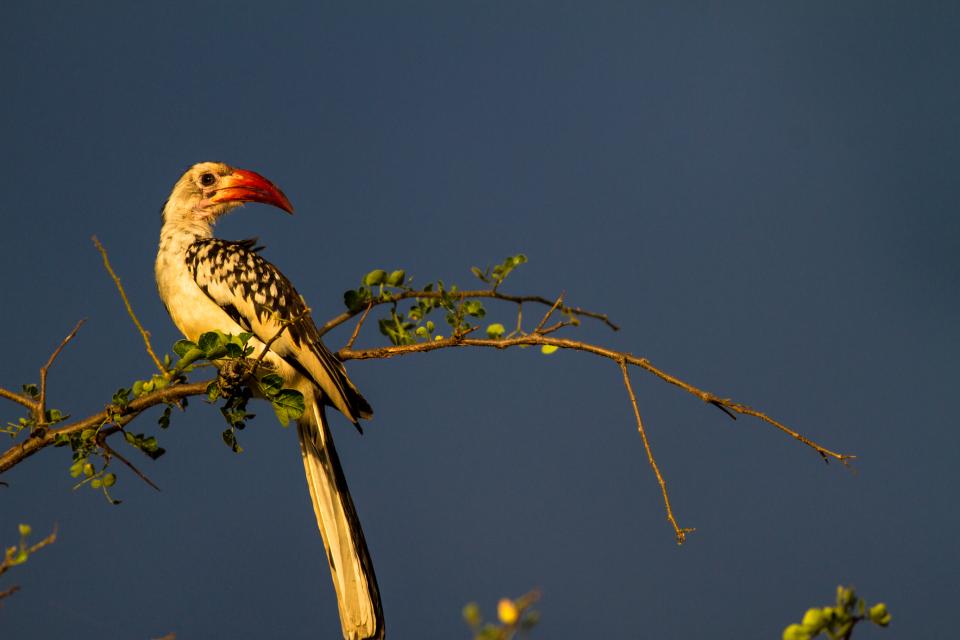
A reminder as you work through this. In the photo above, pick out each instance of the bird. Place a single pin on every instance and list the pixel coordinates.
(210, 284)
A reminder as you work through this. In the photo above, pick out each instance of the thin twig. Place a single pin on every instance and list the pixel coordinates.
(102, 441)
(356, 329)
(8, 557)
(42, 401)
(6, 593)
(681, 533)
(480, 293)
(555, 327)
(126, 302)
(563, 343)
(549, 313)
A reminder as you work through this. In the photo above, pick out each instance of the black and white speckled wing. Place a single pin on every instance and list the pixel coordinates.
(259, 298)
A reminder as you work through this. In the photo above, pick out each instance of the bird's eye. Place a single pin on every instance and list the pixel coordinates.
(207, 179)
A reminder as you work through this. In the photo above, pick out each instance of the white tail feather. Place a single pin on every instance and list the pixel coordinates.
(357, 595)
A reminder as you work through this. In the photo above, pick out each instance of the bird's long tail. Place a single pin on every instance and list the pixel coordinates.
(357, 595)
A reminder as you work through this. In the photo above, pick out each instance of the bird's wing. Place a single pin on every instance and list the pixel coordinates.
(260, 299)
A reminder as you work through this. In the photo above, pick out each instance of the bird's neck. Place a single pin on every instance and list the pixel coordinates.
(180, 231)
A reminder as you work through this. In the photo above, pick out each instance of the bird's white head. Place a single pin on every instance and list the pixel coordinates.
(209, 190)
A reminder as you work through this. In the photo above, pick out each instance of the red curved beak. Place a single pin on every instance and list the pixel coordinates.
(247, 186)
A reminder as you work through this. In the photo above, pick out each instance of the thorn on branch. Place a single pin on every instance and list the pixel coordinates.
(722, 408)
(110, 452)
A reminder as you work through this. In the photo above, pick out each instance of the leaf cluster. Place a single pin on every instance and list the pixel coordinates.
(837, 622)
(416, 324)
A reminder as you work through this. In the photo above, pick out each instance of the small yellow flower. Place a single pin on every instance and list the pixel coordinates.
(507, 611)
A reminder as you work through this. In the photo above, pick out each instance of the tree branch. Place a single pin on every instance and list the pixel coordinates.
(616, 356)
(19, 398)
(116, 417)
(18, 452)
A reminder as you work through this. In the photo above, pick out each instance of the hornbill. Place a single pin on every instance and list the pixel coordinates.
(210, 284)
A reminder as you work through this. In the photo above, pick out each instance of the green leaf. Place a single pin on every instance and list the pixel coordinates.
(181, 347)
(164, 419)
(109, 480)
(481, 275)
(474, 308)
(375, 277)
(213, 391)
(351, 300)
(31, 390)
(471, 612)
(210, 341)
(20, 557)
(24, 530)
(234, 350)
(122, 397)
(547, 349)
(288, 405)
(271, 384)
(396, 278)
(230, 439)
(494, 331)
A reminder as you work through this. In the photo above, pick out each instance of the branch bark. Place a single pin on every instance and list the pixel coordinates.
(21, 451)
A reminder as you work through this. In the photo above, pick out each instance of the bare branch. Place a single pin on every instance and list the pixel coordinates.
(41, 409)
(616, 356)
(481, 293)
(19, 398)
(126, 302)
(680, 532)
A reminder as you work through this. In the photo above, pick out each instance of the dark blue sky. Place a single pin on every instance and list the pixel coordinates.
(763, 197)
